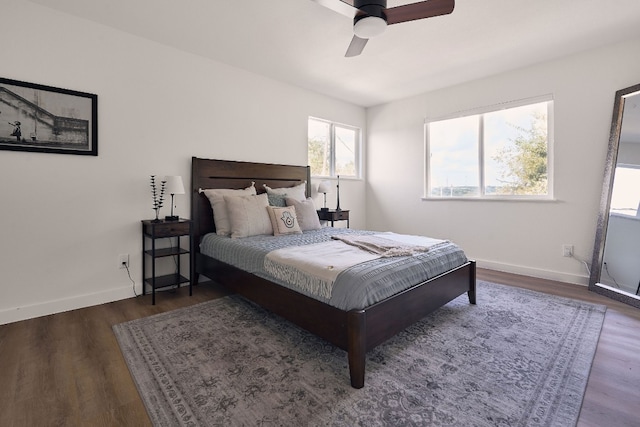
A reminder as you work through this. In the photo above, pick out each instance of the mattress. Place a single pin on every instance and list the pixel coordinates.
(356, 287)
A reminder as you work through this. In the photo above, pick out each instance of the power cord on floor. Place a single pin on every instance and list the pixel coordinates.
(176, 260)
(606, 269)
(126, 265)
(586, 264)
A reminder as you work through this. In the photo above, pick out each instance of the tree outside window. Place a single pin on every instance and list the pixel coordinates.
(333, 149)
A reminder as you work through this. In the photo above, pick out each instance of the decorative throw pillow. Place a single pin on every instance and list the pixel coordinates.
(248, 215)
(306, 213)
(298, 192)
(216, 198)
(284, 220)
(277, 200)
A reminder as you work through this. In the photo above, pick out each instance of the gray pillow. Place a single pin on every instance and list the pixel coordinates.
(306, 213)
(277, 200)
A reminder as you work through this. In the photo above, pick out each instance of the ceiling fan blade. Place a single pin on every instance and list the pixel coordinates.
(420, 10)
(356, 46)
(343, 7)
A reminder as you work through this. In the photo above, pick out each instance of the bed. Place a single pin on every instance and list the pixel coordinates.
(353, 330)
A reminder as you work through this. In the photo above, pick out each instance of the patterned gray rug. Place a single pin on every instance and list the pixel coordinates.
(517, 358)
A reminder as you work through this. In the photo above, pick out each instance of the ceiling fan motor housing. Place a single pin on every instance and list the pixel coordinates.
(370, 20)
(368, 8)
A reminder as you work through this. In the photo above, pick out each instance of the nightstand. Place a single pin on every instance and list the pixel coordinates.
(334, 215)
(173, 231)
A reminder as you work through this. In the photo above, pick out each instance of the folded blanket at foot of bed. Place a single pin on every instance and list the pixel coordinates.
(389, 244)
(314, 268)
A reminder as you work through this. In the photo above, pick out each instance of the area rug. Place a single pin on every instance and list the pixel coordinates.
(517, 358)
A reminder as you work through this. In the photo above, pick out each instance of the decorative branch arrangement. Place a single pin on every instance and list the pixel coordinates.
(158, 197)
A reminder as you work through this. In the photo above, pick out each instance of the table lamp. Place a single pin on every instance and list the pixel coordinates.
(174, 186)
(338, 195)
(324, 187)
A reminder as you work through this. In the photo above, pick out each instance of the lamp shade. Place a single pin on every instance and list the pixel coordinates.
(174, 185)
(324, 187)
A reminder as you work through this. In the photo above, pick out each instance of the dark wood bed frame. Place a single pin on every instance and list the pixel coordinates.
(355, 331)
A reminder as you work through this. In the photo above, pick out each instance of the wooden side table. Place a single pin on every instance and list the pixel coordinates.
(152, 232)
(333, 216)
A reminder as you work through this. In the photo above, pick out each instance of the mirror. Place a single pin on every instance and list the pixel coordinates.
(615, 266)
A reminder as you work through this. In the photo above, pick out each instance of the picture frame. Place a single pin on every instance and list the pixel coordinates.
(46, 119)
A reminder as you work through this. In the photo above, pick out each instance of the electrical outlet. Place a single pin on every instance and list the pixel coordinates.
(567, 250)
(123, 260)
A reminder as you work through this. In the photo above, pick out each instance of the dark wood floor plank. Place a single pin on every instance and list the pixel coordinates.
(67, 369)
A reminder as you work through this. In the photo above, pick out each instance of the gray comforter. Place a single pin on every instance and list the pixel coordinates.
(356, 287)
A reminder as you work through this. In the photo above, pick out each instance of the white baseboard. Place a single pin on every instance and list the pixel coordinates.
(534, 272)
(46, 308)
(16, 314)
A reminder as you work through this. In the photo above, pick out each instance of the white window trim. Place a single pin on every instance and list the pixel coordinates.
(488, 109)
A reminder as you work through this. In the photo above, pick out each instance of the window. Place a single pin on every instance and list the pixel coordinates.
(502, 153)
(334, 149)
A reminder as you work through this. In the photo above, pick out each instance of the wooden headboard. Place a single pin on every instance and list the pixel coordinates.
(208, 173)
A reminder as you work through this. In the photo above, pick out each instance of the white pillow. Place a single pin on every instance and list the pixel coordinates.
(284, 220)
(298, 192)
(306, 213)
(216, 198)
(248, 215)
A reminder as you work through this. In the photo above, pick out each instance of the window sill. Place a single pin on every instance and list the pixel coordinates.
(342, 178)
(490, 199)
(623, 216)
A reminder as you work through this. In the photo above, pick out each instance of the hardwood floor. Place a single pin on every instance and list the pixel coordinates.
(67, 369)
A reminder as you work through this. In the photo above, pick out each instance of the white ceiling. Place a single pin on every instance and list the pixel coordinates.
(302, 43)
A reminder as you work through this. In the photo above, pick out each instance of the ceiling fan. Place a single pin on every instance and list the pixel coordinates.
(371, 17)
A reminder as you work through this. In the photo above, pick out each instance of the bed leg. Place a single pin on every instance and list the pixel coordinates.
(357, 347)
(472, 283)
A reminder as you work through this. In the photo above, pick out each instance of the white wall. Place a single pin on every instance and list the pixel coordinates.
(519, 237)
(66, 218)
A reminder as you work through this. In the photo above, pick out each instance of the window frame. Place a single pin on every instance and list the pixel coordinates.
(481, 148)
(332, 147)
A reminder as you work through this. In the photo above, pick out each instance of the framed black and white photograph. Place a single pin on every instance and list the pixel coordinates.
(46, 119)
